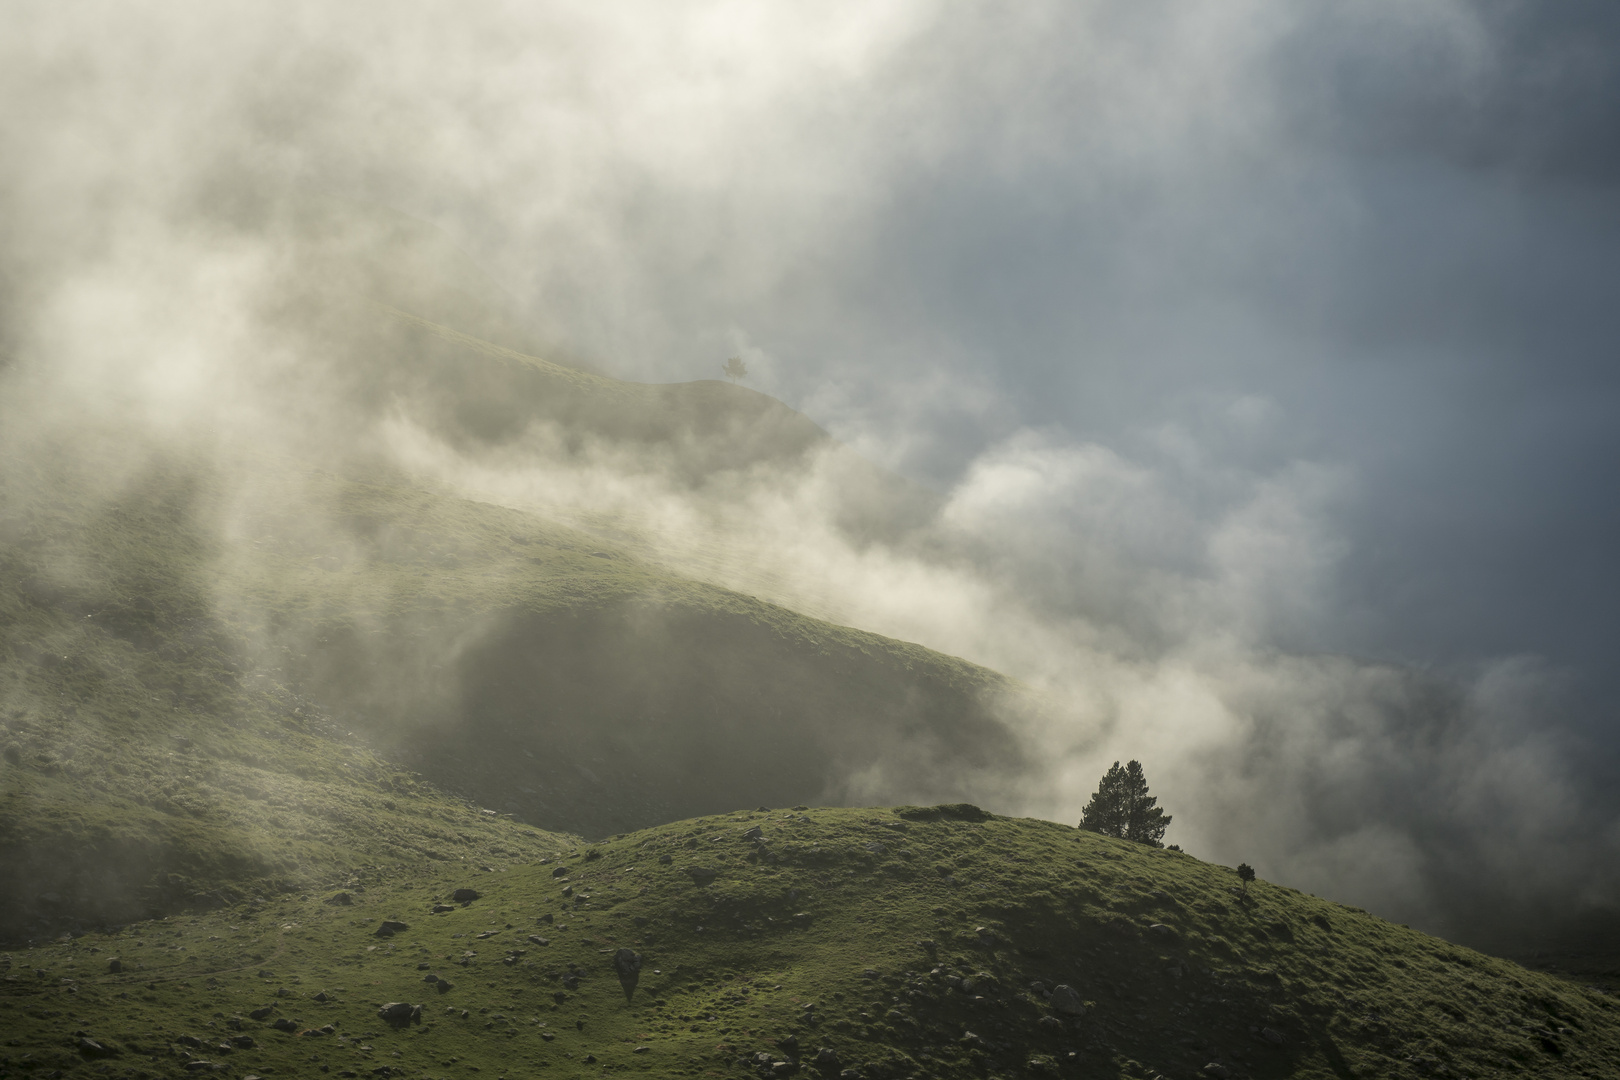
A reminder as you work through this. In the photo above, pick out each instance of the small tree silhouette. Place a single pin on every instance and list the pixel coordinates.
(735, 369)
(1122, 807)
(1245, 873)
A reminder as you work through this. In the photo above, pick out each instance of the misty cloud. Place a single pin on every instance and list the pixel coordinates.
(1232, 343)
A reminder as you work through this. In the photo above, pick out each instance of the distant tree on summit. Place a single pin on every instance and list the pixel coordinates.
(1122, 807)
(735, 369)
(1245, 874)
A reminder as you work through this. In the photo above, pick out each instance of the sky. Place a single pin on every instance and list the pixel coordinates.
(1260, 348)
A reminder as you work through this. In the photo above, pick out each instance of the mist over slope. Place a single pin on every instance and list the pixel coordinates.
(1223, 370)
(471, 555)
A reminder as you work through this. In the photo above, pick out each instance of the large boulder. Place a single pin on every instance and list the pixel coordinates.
(1066, 1000)
(400, 1013)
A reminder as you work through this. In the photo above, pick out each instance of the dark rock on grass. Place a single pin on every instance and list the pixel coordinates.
(285, 1024)
(756, 833)
(1216, 1071)
(538, 940)
(561, 871)
(341, 899)
(827, 1058)
(627, 964)
(189, 1040)
(440, 909)
(944, 812)
(202, 1066)
(323, 997)
(1065, 999)
(114, 966)
(91, 1048)
(400, 1013)
(1159, 929)
(465, 896)
(1272, 1036)
(244, 1042)
(702, 875)
(390, 927)
(262, 1014)
(665, 859)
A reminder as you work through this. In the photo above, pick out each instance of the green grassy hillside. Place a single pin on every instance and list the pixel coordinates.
(202, 698)
(870, 943)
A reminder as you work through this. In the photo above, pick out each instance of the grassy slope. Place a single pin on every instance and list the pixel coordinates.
(846, 929)
(192, 713)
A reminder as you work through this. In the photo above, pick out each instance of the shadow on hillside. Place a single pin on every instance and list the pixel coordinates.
(619, 718)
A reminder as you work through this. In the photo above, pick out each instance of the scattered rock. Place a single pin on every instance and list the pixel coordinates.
(440, 909)
(756, 833)
(189, 1040)
(244, 1042)
(390, 927)
(262, 1014)
(465, 896)
(323, 997)
(202, 1066)
(341, 899)
(827, 1058)
(1216, 1071)
(877, 847)
(703, 875)
(91, 1048)
(400, 1013)
(284, 1024)
(1161, 930)
(1065, 999)
(561, 871)
(114, 966)
(538, 940)
(1272, 1036)
(665, 859)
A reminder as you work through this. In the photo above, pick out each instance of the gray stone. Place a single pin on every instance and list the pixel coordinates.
(1272, 1036)
(1216, 1071)
(400, 1013)
(1066, 1000)
(703, 875)
(756, 833)
(91, 1048)
(465, 896)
